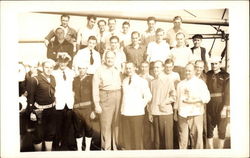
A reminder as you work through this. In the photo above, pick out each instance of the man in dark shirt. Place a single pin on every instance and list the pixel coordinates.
(83, 107)
(135, 52)
(42, 101)
(218, 108)
(60, 45)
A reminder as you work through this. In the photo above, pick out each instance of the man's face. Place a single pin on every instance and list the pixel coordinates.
(91, 44)
(114, 44)
(169, 68)
(159, 36)
(64, 21)
(145, 68)
(82, 71)
(130, 69)
(63, 65)
(151, 24)
(47, 68)
(101, 26)
(111, 24)
(199, 67)
(110, 59)
(215, 66)
(190, 72)
(180, 39)
(91, 23)
(197, 42)
(135, 38)
(60, 34)
(125, 28)
(158, 68)
(177, 23)
(33, 69)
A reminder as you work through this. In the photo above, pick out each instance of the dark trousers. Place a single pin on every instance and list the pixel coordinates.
(148, 137)
(163, 131)
(132, 132)
(64, 130)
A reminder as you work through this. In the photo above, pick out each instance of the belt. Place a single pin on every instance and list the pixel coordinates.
(110, 91)
(82, 104)
(216, 94)
(44, 106)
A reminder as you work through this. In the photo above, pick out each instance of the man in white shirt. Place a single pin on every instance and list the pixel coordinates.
(112, 31)
(102, 36)
(199, 53)
(64, 95)
(85, 32)
(160, 109)
(181, 54)
(120, 57)
(169, 65)
(88, 56)
(159, 49)
(192, 94)
(136, 95)
(125, 35)
(171, 33)
(149, 34)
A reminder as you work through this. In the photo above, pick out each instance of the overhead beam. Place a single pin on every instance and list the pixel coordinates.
(198, 21)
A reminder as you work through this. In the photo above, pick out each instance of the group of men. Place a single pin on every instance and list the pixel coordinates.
(125, 91)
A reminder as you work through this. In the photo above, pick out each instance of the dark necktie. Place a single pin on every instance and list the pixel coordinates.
(129, 82)
(91, 58)
(64, 76)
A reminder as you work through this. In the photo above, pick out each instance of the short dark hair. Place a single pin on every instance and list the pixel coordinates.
(91, 17)
(169, 61)
(199, 36)
(177, 17)
(126, 23)
(101, 21)
(151, 18)
(111, 19)
(114, 37)
(65, 15)
(135, 32)
(92, 38)
(159, 30)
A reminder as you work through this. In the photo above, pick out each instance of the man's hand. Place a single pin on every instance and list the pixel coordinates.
(150, 118)
(92, 115)
(33, 117)
(98, 109)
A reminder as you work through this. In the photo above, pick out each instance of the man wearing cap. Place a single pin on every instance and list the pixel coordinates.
(199, 53)
(192, 94)
(107, 99)
(88, 56)
(64, 77)
(60, 44)
(42, 105)
(83, 106)
(218, 108)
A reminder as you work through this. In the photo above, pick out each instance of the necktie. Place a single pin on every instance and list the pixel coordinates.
(129, 82)
(91, 58)
(64, 76)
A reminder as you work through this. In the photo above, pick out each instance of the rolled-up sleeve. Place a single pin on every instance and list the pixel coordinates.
(95, 87)
(205, 94)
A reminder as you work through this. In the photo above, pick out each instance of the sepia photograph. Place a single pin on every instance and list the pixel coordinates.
(124, 79)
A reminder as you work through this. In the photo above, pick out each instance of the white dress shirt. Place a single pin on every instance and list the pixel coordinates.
(194, 88)
(64, 88)
(83, 56)
(181, 55)
(136, 95)
(158, 51)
